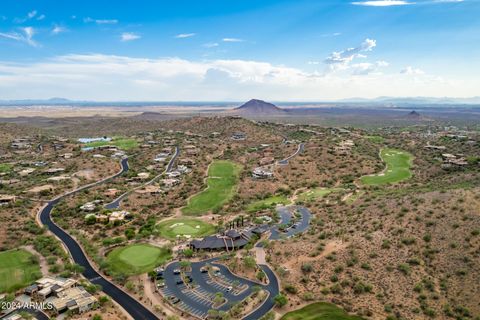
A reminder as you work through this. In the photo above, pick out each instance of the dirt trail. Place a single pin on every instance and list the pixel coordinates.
(42, 261)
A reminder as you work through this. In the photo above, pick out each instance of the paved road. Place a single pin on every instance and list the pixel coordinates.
(300, 149)
(116, 203)
(132, 306)
(273, 288)
(285, 217)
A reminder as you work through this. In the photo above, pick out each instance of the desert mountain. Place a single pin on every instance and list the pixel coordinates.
(256, 107)
(413, 115)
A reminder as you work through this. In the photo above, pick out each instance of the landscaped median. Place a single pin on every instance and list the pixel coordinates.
(222, 183)
(398, 164)
(137, 258)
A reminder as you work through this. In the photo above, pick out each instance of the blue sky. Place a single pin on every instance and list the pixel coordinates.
(232, 50)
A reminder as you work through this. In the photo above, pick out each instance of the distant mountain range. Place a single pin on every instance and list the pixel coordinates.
(415, 100)
(386, 101)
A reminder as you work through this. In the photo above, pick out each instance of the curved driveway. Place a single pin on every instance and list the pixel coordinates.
(300, 149)
(132, 306)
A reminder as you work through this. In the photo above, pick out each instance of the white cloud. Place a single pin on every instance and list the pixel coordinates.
(341, 60)
(382, 3)
(366, 68)
(185, 35)
(100, 21)
(232, 40)
(129, 36)
(211, 45)
(30, 15)
(409, 70)
(105, 77)
(59, 29)
(25, 36)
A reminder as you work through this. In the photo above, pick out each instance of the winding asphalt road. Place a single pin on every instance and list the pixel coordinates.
(300, 149)
(116, 203)
(132, 306)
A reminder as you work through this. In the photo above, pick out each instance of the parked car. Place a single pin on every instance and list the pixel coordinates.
(176, 271)
(230, 288)
(179, 282)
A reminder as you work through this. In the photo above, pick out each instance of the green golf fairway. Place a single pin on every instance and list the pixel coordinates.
(267, 203)
(316, 193)
(17, 270)
(319, 311)
(137, 258)
(222, 181)
(124, 144)
(398, 165)
(170, 229)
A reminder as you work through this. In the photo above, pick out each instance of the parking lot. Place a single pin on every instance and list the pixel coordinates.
(197, 298)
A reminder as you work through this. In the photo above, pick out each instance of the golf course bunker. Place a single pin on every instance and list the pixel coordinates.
(188, 228)
(137, 258)
(398, 164)
(222, 182)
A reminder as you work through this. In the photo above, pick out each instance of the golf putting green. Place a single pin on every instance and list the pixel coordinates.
(137, 258)
(397, 169)
(189, 228)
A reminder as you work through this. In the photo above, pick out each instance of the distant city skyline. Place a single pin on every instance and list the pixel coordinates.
(223, 50)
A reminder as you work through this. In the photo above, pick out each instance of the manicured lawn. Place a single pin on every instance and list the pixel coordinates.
(316, 193)
(222, 182)
(319, 311)
(5, 167)
(267, 203)
(398, 168)
(17, 270)
(137, 258)
(121, 143)
(170, 229)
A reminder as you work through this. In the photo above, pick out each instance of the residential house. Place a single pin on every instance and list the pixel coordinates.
(7, 199)
(262, 173)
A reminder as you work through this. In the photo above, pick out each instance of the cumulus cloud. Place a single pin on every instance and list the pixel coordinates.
(341, 60)
(185, 35)
(107, 77)
(409, 70)
(129, 36)
(232, 40)
(367, 68)
(26, 36)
